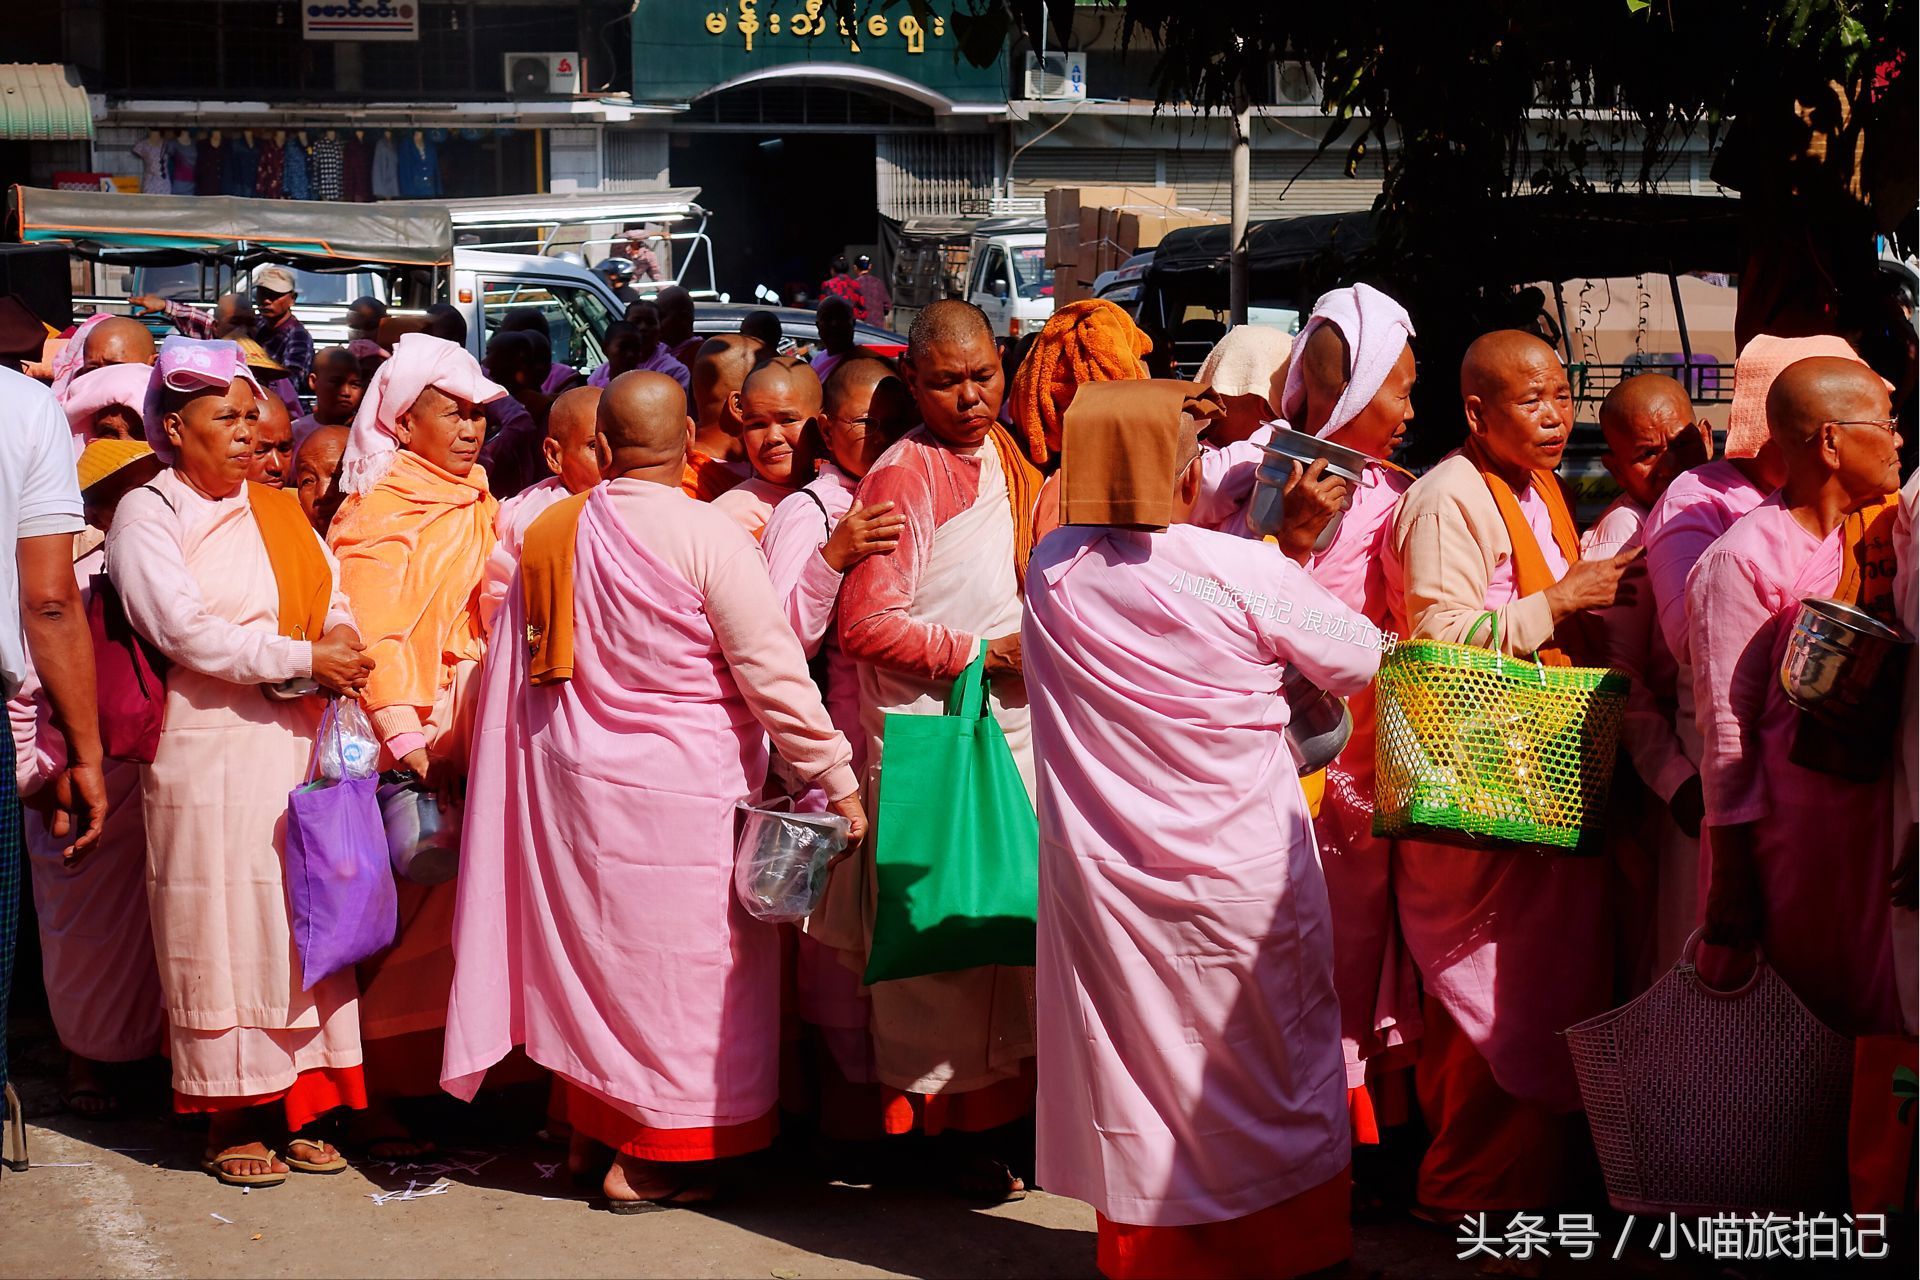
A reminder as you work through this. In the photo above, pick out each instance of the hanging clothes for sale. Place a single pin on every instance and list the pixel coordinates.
(293, 182)
(356, 167)
(211, 169)
(268, 170)
(419, 166)
(325, 167)
(386, 168)
(181, 155)
(151, 152)
(242, 166)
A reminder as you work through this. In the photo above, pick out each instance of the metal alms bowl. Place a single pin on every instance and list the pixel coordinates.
(1835, 658)
(1319, 725)
(1267, 509)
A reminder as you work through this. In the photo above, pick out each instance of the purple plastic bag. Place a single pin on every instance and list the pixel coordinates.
(345, 907)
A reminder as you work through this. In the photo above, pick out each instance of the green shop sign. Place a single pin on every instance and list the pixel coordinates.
(682, 48)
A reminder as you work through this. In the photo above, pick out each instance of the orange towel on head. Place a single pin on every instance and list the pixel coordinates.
(412, 552)
(1088, 341)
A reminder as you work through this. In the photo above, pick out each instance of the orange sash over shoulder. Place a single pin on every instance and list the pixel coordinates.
(1530, 571)
(1869, 560)
(546, 585)
(300, 568)
(1023, 491)
(703, 478)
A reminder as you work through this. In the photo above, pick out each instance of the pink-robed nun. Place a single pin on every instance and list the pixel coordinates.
(230, 583)
(1801, 857)
(1190, 1079)
(596, 920)
(96, 943)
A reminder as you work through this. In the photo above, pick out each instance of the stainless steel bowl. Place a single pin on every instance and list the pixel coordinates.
(1267, 510)
(1318, 723)
(1836, 659)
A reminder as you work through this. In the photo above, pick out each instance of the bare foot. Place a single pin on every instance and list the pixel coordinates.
(86, 1093)
(260, 1163)
(312, 1150)
(633, 1180)
(382, 1135)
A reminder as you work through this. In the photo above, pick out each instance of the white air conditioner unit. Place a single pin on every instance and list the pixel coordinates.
(1295, 85)
(542, 75)
(1056, 75)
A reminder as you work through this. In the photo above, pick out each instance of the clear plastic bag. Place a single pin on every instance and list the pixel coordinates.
(780, 863)
(348, 748)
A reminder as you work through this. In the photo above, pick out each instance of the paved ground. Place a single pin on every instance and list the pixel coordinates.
(127, 1199)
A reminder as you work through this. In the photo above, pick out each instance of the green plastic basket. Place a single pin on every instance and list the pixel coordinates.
(1480, 749)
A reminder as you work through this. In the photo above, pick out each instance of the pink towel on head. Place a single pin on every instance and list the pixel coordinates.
(1761, 361)
(1377, 330)
(67, 361)
(419, 361)
(110, 384)
(190, 364)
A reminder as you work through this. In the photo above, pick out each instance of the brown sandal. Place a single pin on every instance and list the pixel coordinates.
(336, 1165)
(217, 1166)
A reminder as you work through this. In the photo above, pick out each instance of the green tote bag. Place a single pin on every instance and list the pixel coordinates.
(956, 843)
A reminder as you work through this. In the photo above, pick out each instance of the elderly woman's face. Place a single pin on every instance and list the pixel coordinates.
(212, 435)
(443, 430)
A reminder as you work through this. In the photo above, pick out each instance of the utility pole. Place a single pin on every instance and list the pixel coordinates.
(1238, 284)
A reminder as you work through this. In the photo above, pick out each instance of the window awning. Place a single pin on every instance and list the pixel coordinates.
(43, 102)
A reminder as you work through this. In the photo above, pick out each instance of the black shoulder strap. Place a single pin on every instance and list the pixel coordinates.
(163, 497)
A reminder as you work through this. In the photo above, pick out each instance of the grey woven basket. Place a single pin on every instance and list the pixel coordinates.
(1705, 1101)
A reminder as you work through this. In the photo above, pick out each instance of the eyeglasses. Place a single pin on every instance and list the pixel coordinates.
(1889, 425)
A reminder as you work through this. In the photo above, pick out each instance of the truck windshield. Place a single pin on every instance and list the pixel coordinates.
(1030, 271)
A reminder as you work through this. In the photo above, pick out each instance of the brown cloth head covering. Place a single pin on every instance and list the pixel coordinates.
(1121, 453)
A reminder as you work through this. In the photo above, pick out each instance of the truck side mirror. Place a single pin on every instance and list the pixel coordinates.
(999, 290)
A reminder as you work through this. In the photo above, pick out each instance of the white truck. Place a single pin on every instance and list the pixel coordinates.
(998, 264)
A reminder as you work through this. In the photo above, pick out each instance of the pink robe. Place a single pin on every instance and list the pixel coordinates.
(1658, 862)
(96, 940)
(1823, 845)
(1378, 985)
(510, 527)
(1184, 996)
(1515, 946)
(197, 582)
(828, 985)
(596, 922)
(750, 503)
(1906, 596)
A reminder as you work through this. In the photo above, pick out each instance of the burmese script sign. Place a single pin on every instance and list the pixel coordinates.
(682, 48)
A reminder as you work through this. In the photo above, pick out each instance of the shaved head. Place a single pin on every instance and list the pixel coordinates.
(853, 381)
(1498, 357)
(573, 417)
(798, 381)
(1648, 424)
(1518, 402)
(118, 340)
(335, 360)
(643, 419)
(1639, 398)
(1811, 392)
(719, 370)
(676, 314)
(948, 322)
(1323, 361)
(316, 475)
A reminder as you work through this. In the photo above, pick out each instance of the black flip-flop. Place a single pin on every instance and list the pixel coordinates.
(663, 1203)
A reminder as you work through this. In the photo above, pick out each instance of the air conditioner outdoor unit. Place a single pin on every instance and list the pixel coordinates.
(1295, 85)
(542, 75)
(1056, 75)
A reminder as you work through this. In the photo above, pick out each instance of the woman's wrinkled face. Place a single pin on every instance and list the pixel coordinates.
(443, 430)
(212, 435)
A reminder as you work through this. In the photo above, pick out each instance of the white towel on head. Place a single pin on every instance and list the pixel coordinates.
(1246, 361)
(1377, 330)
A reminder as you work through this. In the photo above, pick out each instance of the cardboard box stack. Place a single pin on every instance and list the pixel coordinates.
(1091, 230)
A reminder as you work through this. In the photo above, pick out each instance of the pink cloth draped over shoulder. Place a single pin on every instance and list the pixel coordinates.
(1823, 845)
(1184, 996)
(750, 503)
(663, 727)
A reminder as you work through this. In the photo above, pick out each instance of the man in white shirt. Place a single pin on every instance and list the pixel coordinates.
(41, 620)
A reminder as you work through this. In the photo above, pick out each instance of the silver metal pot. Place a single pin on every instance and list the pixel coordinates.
(1318, 723)
(1836, 659)
(1267, 509)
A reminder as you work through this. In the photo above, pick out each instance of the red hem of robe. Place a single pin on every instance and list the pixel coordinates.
(1490, 1151)
(974, 1111)
(1362, 1119)
(312, 1094)
(1309, 1232)
(614, 1128)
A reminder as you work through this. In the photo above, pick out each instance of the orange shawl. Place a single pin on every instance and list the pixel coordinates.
(705, 478)
(546, 588)
(412, 552)
(300, 568)
(1530, 571)
(1869, 559)
(1023, 490)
